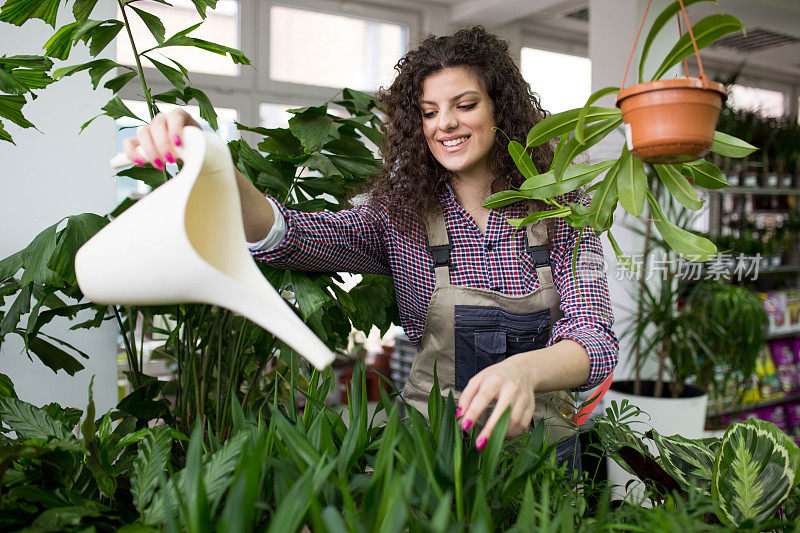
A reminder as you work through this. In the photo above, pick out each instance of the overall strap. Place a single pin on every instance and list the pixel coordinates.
(539, 248)
(437, 240)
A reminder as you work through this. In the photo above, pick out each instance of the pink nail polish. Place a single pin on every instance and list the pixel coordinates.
(139, 162)
(481, 443)
(169, 158)
(466, 425)
(458, 412)
(158, 164)
(176, 140)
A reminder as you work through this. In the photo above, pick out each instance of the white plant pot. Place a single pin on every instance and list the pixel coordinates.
(667, 416)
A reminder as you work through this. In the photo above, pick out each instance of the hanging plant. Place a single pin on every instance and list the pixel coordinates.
(669, 124)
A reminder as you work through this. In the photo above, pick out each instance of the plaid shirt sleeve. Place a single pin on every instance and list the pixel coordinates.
(351, 240)
(585, 299)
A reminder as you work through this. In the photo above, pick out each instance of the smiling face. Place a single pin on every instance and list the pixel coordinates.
(457, 120)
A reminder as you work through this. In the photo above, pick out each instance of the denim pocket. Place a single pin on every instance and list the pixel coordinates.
(487, 335)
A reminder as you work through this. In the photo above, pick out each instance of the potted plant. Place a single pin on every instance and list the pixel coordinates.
(624, 181)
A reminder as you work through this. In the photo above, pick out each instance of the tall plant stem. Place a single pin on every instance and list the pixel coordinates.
(150, 106)
(128, 350)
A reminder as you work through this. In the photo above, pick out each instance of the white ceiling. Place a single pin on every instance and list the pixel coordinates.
(776, 16)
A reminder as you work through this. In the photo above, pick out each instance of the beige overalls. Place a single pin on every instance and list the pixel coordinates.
(468, 329)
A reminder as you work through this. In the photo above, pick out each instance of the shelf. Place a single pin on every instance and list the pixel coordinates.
(783, 335)
(782, 191)
(749, 406)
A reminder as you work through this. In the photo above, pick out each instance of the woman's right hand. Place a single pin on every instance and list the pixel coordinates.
(159, 138)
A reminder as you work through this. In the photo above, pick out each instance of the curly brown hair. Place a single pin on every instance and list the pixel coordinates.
(409, 169)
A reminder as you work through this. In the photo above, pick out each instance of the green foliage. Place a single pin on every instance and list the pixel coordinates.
(579, 129)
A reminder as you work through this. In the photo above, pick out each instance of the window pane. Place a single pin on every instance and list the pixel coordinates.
(769, 103)
(227, 131)
(220, 26)
(333, 50)
(569, 89)
(275, 115)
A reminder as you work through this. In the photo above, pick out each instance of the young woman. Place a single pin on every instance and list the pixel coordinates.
(501, 314)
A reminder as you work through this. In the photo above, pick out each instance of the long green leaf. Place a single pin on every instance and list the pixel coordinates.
(592, 135)
(686, 244)
(11, 108)
(706, 31)
(152, 22)
(504, 198)
(545, 186)
(664, 17)
(522, 159)
(730, 146)
(755, 469)
(678, 186)
(579, 135)
(18, 12)
(631, 183)
(705, 174)
(604, 202)
(564, 122)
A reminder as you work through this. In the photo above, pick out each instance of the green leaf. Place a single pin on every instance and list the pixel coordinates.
(706, 31)
(592, 135)
(11, 108)
(181, 39)
(116, 83)
(79, 229)
(207, 112)
(730, 146)
(97, 69)
(116, 109)
(631, 183)
(664, 17)
(690, 462)
(623, 259)
(149, 176)
(705, 174)
(678, 186)
(604, 202)
(150, 464)
(310, 297)
(11, 265)
(579, 126)
(36, 257)
(60, 44)
(504, 198)
(755, 469)
(522, 159)
(278, 140)
(17, 12)
(688, 245)
(100, 32)
(545, 186)
(564, 122)
(31, 422)
(11, 84)
(82, 9)
(153, 24)
(7, 387)
(173, 75)
(311, 127)
(54, 357)
(201, 6)
(20, 306)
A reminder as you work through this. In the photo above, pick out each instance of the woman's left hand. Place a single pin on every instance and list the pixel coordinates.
(509, 382)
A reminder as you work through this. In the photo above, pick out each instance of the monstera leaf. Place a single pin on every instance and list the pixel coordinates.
(755, 470)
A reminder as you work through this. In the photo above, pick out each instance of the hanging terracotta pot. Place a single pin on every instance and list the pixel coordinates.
(670, 121)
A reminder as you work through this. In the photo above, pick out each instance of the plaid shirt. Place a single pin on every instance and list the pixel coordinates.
(364, 240)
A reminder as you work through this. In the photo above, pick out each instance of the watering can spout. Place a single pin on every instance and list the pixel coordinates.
(184, 243)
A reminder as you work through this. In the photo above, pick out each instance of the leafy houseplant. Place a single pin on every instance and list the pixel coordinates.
(751, 474)
(624, 182)
(217, 357)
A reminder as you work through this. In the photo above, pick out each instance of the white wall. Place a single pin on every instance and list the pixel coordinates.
(47, 176)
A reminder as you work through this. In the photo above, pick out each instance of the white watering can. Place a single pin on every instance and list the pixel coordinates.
(184, 243)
